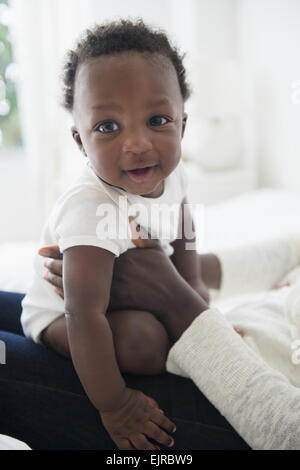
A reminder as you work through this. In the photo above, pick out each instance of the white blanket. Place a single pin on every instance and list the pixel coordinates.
(252, 381)
(268, 317)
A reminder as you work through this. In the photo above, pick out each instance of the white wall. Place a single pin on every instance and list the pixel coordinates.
(17, 207)
(203, 28)
(264, 34)
(269, 38)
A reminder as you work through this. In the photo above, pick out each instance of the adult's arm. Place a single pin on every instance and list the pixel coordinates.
(185, 257)
(258, 401)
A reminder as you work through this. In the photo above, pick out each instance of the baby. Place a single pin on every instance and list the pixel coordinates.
(125, 86)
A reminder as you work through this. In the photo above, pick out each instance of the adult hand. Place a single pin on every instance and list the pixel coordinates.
(54, 263)
(143, 279)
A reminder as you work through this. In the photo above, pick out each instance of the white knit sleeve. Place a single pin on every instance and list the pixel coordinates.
(257, 267)
(258, 401)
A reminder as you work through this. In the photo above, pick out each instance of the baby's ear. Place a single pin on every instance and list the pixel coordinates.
(77, 138)
(184, 121)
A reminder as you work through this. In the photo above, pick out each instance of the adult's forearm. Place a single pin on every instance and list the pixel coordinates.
(94, 358)
(177, 312)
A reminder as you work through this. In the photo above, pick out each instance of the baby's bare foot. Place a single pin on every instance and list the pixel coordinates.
(280, 286)
(239, 330)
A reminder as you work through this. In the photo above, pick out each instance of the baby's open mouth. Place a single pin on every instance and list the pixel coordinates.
(141, 175)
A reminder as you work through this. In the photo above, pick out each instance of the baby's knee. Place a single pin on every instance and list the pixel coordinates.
(144, 348)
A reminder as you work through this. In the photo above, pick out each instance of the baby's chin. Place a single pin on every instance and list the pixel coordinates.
(136, 191)
(146, 184)
(153, 192)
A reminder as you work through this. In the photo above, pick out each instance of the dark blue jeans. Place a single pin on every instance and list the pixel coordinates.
(43, 403)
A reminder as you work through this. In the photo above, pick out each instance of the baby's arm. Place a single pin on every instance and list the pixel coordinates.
(87, 279)
(124, 412)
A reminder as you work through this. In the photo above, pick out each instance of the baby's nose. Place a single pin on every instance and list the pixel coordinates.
(137, 141)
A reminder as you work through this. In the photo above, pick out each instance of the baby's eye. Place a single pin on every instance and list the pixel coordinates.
(108, 127)
(158, 120)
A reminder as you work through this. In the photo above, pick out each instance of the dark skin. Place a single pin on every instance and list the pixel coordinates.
(143, 279)
(120, 124)
(131, 292)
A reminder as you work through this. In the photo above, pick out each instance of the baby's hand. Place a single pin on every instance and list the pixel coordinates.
(137, 420)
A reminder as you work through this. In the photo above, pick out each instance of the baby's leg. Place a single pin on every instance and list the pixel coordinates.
(55, 337)
(141, 341)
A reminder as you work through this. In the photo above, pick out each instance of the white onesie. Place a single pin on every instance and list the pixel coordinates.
(92, 212)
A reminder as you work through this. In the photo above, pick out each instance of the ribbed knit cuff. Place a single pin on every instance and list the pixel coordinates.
(258, 401)
(214, 356)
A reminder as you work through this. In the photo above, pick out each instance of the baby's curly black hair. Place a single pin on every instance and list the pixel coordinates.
(120, 36)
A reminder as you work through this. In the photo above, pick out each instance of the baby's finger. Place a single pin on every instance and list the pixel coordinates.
(51, 251)
(153, 403)
(124, 444)
(54, 266)
(140, 442)
(157, 434)
(56, 281)
(162, 421)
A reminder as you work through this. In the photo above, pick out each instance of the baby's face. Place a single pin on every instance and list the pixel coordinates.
(128, 114)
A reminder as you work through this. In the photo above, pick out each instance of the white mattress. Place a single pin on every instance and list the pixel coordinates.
(259, 215)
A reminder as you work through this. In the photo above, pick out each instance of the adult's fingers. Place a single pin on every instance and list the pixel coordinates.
(51, 251)
(140, 238)
(53, 279)
(60, 292)
(54, 266)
